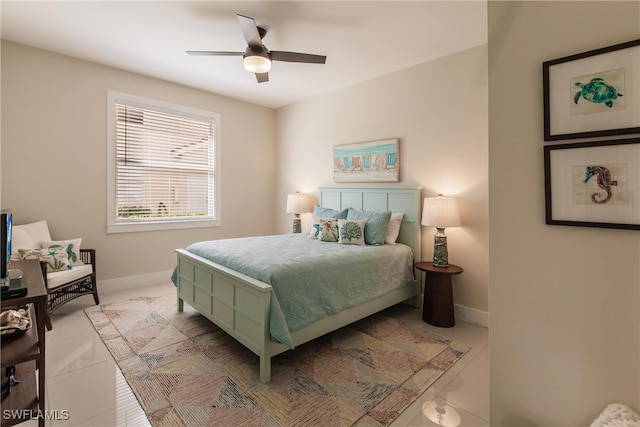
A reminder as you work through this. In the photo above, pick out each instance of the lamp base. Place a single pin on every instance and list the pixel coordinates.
(440, 252)
(297, 224)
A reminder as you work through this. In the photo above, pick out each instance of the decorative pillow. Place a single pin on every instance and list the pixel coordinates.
(375, 227)
(56, 258)
(328, 230)
(351, 231)
(28, 236)
(71, 246)
(321, 212)
(314, 231)
(393, 229)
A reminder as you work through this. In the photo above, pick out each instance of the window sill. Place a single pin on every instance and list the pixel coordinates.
(133, 227)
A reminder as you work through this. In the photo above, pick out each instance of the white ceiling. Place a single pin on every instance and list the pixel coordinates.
(361, 39)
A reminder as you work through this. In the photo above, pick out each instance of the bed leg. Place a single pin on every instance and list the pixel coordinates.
(180, 305)
(416, 301)
(265, 369)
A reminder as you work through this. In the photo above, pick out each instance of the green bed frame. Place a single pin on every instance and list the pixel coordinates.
(240, 305)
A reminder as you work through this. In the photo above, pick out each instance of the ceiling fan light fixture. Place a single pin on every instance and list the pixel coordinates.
(256, 57)
(257, 63)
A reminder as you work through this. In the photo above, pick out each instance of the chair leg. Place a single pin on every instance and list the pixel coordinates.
(48, 322)
(94, 286)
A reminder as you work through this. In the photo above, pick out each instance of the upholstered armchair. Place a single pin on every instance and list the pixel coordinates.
(69, 271)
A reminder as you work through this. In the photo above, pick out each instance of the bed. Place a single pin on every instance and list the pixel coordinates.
(250, 309)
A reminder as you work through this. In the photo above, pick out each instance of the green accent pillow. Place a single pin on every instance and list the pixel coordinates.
(56, 257)
(72, 247)
(375, 227)
(314, 230)
(351, 231)
(328, 230)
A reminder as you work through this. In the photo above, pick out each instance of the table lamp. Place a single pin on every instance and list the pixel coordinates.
(440, 212)
(296, 204)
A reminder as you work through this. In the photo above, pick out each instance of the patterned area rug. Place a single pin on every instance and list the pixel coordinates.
(185, 371)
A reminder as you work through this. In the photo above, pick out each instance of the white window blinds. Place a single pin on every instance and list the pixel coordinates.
(164, 164)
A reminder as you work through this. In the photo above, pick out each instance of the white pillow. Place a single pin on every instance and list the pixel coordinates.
(72, 247)
(351, 231)
(393, 229)
(28, 236)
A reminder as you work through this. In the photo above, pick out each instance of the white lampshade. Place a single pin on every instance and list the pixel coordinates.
(257, 64)
(440, 212)
(298, 203)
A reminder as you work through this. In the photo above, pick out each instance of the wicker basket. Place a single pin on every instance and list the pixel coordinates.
(11, 330)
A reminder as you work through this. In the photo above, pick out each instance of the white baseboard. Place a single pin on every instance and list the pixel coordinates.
(471, 315)
(125, 283)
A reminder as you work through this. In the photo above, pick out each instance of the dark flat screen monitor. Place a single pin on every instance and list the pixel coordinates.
(5, 242)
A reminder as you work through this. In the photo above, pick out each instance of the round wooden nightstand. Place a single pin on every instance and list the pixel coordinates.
(437, 308)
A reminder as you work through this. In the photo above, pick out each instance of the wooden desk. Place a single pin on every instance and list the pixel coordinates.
(437, 309)
(26, 352)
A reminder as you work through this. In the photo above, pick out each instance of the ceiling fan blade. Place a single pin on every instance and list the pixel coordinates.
(250, 31)
(262, 77)
(213, 53)
(297, 57)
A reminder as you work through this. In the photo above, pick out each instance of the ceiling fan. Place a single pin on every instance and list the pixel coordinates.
(257, 58)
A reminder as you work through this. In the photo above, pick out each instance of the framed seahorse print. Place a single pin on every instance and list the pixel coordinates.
(593, 184)
(594, 93)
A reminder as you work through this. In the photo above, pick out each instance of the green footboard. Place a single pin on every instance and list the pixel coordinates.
(237, 303)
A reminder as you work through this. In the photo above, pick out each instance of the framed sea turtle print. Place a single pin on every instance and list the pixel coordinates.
(592, 94)
(593, 184)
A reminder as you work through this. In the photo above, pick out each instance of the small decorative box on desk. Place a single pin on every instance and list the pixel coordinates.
(437, 309)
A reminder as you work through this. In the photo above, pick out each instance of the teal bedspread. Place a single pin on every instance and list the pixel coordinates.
(311, 279)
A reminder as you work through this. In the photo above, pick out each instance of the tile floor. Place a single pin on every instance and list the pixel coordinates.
(84, 381)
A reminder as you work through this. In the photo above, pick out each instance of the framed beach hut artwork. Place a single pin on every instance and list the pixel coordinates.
(371, 161)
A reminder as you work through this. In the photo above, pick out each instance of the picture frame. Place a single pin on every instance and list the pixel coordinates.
(593, 94)
(593, 184)
(369, 161)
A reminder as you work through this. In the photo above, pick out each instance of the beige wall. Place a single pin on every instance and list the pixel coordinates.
(54, 157)
(439, 112)
(565, 302)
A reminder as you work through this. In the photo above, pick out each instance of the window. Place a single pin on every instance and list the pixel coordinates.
(162, 165)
